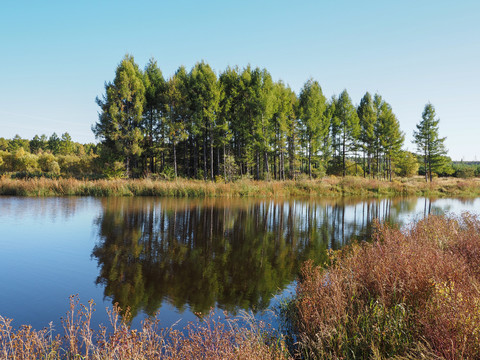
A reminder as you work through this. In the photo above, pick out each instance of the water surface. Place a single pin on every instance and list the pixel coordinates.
(179, 257)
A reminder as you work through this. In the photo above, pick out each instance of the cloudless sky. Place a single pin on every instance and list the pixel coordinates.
(55, 56)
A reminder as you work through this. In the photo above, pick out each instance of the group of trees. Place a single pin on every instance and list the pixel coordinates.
(238, 124)
(241, 123)
(52, 156)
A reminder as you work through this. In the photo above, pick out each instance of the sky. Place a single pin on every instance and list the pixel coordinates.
(55, 56)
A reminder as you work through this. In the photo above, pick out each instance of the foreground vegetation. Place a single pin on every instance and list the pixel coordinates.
(330, 186)
(206, 339)
(412, 294)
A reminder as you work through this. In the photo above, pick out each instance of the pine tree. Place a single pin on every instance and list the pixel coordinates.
(429, 145)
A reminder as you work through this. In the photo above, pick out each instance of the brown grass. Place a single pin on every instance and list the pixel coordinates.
(330, 186)
(414, 294)
(206, 339)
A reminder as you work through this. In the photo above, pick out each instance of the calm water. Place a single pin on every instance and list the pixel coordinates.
(178, 257)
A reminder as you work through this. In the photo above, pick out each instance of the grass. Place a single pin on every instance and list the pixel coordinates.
(205, 339)
(408, 294)
(330, 186)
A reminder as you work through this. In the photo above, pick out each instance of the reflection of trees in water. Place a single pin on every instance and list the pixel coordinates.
(229, 253)
(52, 208)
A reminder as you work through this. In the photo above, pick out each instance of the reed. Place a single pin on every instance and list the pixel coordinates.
(330, 186)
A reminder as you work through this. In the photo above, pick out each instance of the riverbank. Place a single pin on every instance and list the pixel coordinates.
(330, 186)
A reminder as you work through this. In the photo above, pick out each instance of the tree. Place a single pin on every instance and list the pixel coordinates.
(38, 143)
(54, 143)
(390, 137)
(205, 97)
(429, 145)
(119, 125)
(347, 126)
(66, 145)
(177, 113)
(315, 124)
(154, 113)
(368, 118)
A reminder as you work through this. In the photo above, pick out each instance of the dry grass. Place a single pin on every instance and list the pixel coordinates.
(330, 186)
(207, 339)
(412, 294)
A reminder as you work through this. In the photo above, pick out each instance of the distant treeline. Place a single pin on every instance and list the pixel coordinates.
(49, 157)
(240, 124)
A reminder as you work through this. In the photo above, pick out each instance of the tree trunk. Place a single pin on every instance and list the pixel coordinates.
(211, 159)
(174, 158)
(310, 161)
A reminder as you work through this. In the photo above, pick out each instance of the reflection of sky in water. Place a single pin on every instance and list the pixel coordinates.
(46, 243)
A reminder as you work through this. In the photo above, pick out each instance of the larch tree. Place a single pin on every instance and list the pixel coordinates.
(154, 114)
(205, 97)
(121, 116)
(348, 126)
(391, 139)
(314, 122)
(429, 145)
(367, 117)
(178, 111)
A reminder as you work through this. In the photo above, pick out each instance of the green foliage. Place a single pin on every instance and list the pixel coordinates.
(54, 144)
(465, 171)
(313, 119)
(429, 145)
(345, 129)
(121, 116)
(38, 143)
(16, 143)
(406, 164)
(48, 163)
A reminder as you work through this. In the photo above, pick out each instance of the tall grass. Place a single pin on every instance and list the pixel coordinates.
(206, 339)
(330, 186)
(412, 293)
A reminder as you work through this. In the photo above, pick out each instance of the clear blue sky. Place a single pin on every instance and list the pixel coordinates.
(57, 55)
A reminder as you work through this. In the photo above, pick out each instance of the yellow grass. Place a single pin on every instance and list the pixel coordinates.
(329, 186)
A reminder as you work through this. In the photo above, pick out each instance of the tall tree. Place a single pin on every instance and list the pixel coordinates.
(205, 97)
(153, 124)
(348, 126)
(229, 98)
(38, 143)
(429, 145)
(391, 139)
(120, 119)
(178, 112)
(66, 146)
(313, 118)
(367, 117)
(54, 143)
(262, 106)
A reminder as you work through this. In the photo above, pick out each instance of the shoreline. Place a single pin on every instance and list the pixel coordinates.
(326, 187)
